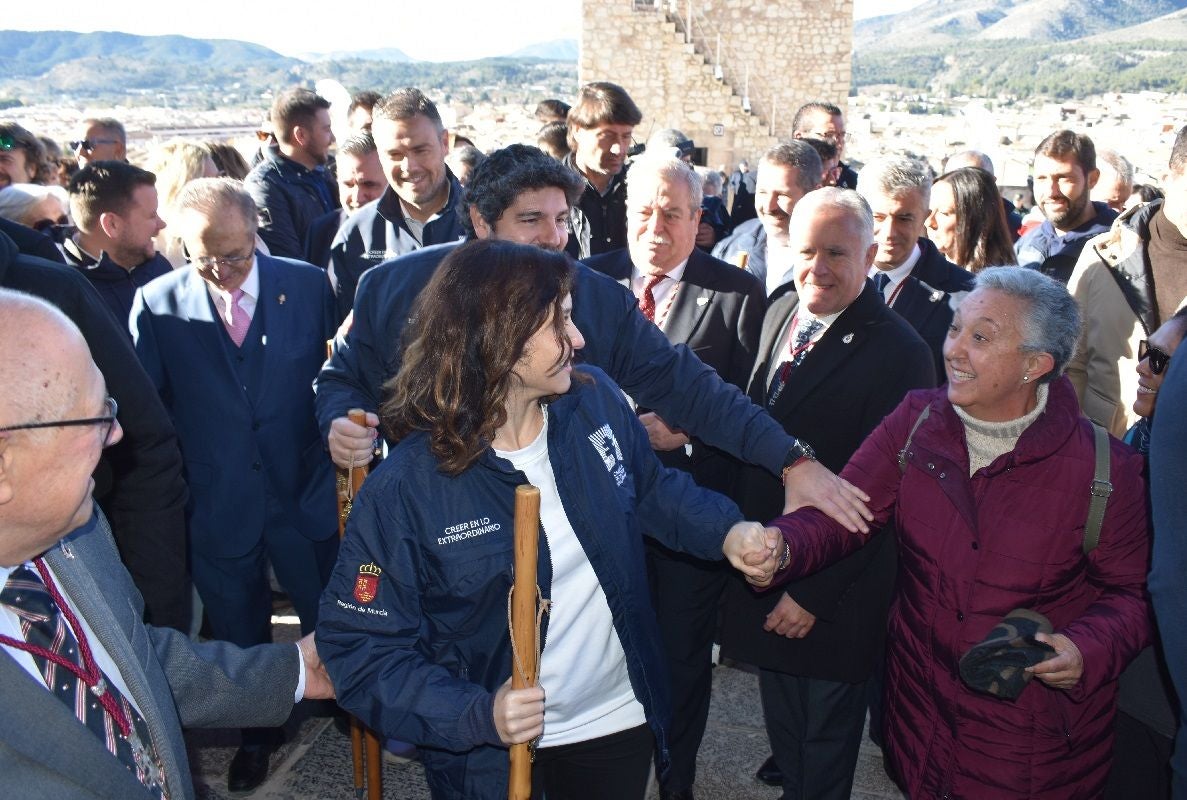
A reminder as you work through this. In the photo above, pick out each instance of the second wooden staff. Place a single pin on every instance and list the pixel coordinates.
(524, 641)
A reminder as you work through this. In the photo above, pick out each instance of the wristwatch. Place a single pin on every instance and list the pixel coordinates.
(800, 451)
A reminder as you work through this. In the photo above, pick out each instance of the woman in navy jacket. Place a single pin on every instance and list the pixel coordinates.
(414, 622)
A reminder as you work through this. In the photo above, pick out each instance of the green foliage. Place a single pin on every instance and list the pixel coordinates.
(1021, 70)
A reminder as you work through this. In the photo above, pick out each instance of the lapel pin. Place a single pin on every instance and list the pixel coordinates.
(937, 296)
(847, 338)
(281, 299)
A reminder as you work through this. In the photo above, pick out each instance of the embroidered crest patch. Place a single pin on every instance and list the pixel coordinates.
(366, 585)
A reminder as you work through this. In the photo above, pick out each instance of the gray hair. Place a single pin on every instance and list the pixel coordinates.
(797, 153)
(969, 158)
(1052, 322)
(109, 124)
(646, 172)
(711, 181)
(845, 199)
(1119, 163)
(17, 199)
(210, 197)
(894, 176)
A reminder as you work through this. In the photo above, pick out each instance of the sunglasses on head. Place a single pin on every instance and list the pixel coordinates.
(7, 142)
(1158, 359)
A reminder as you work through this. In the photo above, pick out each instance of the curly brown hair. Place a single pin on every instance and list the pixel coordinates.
(469, 329)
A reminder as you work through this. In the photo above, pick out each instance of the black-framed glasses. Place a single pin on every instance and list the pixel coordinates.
(107, 422)
(1158, 359)
(87, 145)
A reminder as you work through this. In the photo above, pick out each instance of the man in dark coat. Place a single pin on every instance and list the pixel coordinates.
(909, 272)
(832, 359)
(114, 205)
(716, 310)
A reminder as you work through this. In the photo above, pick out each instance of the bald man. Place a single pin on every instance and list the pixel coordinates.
(146, 683)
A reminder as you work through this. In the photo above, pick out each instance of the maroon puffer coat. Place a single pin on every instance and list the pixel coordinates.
(971, 550)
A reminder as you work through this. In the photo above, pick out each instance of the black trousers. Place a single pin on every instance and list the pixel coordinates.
(815, 730)
(686, 593)
(1141, 762)
(615, 766)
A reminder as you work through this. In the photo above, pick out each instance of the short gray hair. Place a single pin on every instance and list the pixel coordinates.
(845, 199)
(1052, 320)
(646, 172)
(1119, 163)
(209, 197)
(969, 158)
(710, 179)
(809, 169)
(895, 175)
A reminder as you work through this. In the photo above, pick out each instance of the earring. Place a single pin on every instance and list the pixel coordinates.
(1025, 378)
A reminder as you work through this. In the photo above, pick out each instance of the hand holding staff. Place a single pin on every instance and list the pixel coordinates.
(519, 710)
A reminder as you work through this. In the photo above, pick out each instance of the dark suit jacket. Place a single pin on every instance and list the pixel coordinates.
(928, 297)
(45, 754)
(237, 448)
(717, 312)
(861, 368)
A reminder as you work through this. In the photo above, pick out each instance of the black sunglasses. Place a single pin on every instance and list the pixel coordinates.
(87, 145)
(1158, 359)
(107, 421)
(7, 142)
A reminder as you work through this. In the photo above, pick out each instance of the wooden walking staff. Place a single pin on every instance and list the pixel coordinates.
(348, 483)
(524, 619)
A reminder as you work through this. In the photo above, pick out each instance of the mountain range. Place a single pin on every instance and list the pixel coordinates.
(948, 22)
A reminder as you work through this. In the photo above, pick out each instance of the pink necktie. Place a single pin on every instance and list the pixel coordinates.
(240, 322)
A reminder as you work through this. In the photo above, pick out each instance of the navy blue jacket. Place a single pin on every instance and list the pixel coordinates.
(377, 233)
(421, 657)
(31, 242)
(239, 445)
(116, 285)
(928, 297)
(1042, 248)
(618, 339)
(290, 197)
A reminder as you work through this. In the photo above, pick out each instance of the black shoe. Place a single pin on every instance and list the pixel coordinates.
(683, 794)
(769, 773)
(248, 769)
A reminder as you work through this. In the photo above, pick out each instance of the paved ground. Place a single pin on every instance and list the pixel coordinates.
(316, 763)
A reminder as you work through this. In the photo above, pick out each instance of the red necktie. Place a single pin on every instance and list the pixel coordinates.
(647, 300)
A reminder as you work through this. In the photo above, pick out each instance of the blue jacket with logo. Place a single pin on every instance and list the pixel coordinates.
(290, 197)
(418, 652)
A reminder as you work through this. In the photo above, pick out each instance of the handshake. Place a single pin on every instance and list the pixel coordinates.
(755, 551)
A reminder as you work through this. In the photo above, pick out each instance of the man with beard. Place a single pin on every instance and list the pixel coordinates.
(290, 184)
(419, 206)
(114, 205)
(1064, 175)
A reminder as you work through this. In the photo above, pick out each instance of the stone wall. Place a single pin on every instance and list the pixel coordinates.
(796, 51)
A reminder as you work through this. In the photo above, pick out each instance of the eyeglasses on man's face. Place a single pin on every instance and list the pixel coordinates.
(89, 145)
(222, 261)
(106, 422)
(1158, 359)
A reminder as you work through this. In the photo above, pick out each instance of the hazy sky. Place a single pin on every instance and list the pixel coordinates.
(469, 28)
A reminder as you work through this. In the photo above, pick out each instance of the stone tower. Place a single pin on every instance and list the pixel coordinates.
(730, 74)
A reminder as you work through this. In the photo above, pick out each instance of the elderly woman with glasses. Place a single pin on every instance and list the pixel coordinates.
(988, 482)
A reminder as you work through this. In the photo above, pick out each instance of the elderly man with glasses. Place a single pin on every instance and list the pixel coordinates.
(233, 342)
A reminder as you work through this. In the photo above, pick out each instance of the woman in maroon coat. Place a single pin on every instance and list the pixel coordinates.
(990, 506)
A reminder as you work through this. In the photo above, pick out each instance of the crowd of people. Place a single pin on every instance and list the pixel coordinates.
(863, 426)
